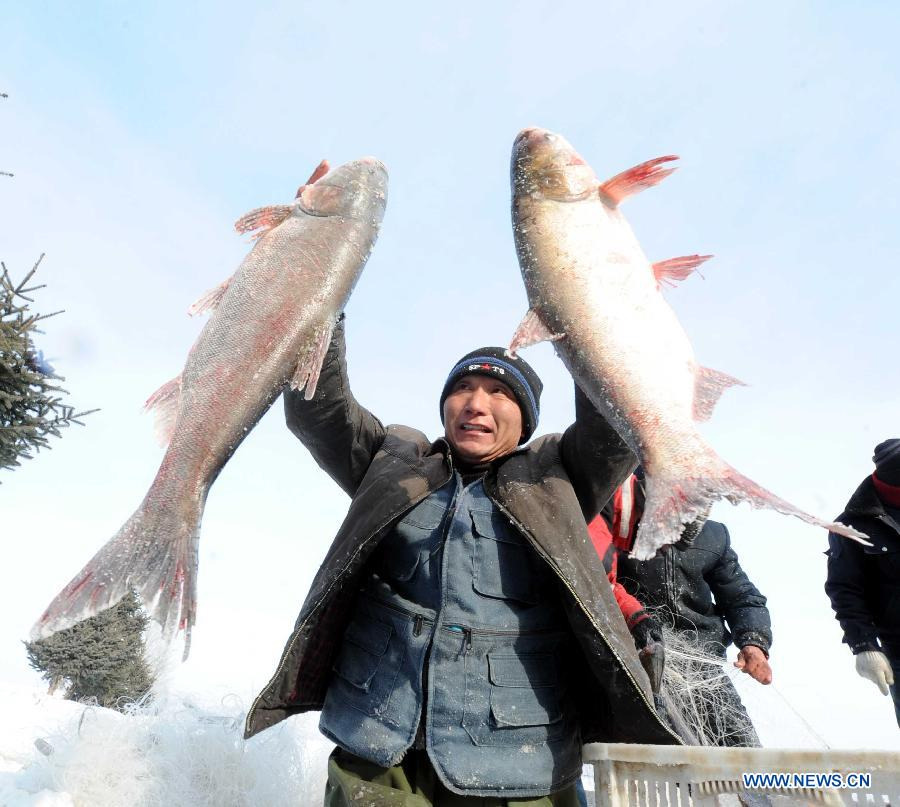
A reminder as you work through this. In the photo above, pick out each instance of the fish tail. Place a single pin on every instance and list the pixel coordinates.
(155, 554)
(672, 502)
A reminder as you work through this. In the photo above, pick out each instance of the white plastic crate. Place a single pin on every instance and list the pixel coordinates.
(628, 775)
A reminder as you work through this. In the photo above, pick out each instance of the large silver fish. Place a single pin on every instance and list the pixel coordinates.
(592, 290)
(271, 325)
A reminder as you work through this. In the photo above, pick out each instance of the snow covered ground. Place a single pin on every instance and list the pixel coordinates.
(55, 753)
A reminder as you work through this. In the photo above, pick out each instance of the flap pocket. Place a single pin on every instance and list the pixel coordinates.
(524, 691)
(513, 708)
(494, 525)
(526, 670)
(427, 514)
(365, 643)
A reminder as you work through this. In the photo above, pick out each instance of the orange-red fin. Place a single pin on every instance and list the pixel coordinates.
(321, 169)
(262, 219)
(310, 365)
(164, 405)
(531, 330)
(635, 179)
(210, 300)
(708, 388)
(674, 270)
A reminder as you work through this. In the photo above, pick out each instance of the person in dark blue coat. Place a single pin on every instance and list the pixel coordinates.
(698, 588)
(863, 582)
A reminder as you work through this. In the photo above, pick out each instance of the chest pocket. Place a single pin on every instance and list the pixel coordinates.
(414, 541)
(504, 565)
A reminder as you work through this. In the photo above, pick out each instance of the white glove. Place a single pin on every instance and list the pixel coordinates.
(874, 665)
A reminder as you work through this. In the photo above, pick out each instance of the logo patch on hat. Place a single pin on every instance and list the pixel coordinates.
(492, 367)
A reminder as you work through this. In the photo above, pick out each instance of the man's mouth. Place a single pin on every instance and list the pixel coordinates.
(475, 427)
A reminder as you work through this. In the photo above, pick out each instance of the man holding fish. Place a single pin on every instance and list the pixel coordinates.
(460, 638)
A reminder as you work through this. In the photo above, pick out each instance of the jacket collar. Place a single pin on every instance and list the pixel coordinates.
(865, 500)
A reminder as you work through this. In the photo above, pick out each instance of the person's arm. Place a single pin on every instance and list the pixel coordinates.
(594, 456)
(845, 586)
(744, 609)
(342, 435)
(737, 599)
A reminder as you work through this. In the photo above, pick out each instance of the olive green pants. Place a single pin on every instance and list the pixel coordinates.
(356, 782)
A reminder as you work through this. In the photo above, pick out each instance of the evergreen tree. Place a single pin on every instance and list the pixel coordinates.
(101, 658)
(31, 409)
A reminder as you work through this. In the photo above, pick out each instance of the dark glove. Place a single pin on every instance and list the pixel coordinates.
(648, 640)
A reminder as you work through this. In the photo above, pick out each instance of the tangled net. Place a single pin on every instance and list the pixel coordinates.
(698, 689)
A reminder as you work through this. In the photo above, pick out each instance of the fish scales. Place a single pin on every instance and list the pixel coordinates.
(270, 325)
(594, 293)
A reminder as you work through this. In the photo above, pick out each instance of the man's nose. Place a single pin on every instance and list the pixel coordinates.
(477, 401)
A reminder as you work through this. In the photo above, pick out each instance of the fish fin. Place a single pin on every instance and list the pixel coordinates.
(154, 554)
(531, 330)
(164, 403)
(674, 270)
(310, 365)
(321, 169)
(210, 299)
(636, 179)
(708, 388)
(672, 502)
(262, 219)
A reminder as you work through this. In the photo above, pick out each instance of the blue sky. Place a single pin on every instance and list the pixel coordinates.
(139, 134)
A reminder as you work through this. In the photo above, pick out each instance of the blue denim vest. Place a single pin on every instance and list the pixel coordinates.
(458, 600)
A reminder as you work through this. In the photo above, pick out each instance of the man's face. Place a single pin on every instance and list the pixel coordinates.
(482, 419)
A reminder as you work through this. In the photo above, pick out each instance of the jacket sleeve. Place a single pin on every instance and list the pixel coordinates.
(845, 586)
(594, 456)
(602, 539)
(738, 600)
(342, 436)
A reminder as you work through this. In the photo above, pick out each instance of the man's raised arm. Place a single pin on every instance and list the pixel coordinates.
(342, 435)
(595, 457)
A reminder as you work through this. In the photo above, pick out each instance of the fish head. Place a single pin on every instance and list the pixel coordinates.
(356, 189)
(545, 165)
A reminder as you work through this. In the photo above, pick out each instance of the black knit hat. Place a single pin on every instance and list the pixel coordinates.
(513, 371)
(887, 460)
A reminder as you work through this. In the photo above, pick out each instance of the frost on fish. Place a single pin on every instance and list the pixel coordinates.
(593, 292)
(270, 325)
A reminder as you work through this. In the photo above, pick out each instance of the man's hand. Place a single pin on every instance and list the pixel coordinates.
(874, 665)
(753, 661)
(648, 640)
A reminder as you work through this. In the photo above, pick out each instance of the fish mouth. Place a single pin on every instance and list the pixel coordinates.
(545, 164)
(356, 189)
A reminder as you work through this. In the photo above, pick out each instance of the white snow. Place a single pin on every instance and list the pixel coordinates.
(180, 751)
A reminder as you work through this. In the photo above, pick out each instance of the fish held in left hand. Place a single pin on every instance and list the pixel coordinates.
(596, 296)
(271, 324)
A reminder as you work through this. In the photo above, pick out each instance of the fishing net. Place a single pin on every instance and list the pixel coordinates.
(698, 689)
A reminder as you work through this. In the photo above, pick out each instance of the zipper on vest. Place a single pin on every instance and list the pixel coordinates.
(417, 625)
(467, 636)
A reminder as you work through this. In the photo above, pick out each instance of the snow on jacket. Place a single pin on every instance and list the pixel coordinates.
(863, 582)
(545, 490)
(696, 585)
